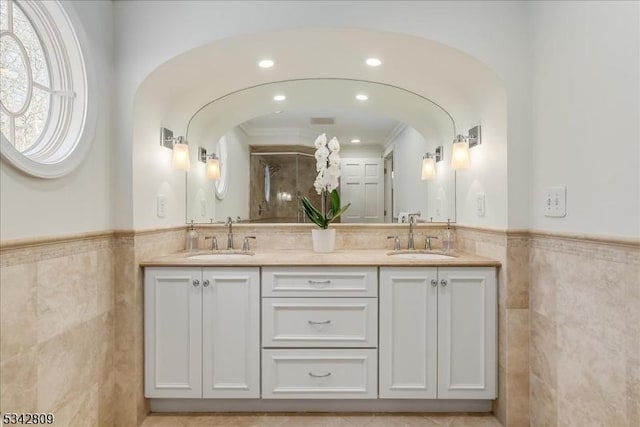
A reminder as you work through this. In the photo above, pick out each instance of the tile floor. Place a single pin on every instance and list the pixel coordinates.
(319, 420)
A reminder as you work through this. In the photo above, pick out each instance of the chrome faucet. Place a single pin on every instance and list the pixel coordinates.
(427, 242)
(396, 242)
(229, 225)
(412, 220)
(245, 243)
(214, 242)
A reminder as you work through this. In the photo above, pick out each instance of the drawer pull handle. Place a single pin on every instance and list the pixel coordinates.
(311, 374)
(324, 322)
(319, 282)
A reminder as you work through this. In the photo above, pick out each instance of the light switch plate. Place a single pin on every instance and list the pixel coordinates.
(480, 199)
(161, 206)
(555, 202)
(203, 208)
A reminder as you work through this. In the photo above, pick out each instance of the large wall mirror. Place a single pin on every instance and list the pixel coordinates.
(268, 149)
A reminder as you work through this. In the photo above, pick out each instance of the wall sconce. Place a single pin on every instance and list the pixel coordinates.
(460, 154)
(429, 164)
(213, 164)
(180, 158)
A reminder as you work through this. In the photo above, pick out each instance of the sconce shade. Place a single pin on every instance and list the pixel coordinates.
(428, 168)
(460, 156)
(180, 159)
(213, 169)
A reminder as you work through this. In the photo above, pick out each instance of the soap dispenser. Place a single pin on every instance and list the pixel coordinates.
(191, 244)
(448, 240)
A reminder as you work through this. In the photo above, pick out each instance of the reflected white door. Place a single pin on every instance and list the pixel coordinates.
(362, 185)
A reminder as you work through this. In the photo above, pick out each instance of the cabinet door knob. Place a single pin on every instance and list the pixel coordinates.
(196, 283)
(205, 283)
(434, 282)
(443, 282)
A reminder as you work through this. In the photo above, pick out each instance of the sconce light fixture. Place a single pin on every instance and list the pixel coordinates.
(213, 164)
(180, 158)
(460, 153)
(429, 164)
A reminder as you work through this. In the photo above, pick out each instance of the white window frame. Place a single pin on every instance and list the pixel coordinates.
(70, 128)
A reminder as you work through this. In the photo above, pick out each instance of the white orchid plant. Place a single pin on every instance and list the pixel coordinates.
(326, 184)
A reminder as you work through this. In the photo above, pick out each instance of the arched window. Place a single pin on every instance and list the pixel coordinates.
(43, 89)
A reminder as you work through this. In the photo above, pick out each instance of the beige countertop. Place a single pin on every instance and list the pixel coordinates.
(356, 257)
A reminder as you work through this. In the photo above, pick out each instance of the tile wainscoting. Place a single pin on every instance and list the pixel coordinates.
(57, 335)
(71, 334)
(511, 249)
(585, 331)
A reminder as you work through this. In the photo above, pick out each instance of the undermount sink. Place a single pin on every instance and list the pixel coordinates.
(425, 256)
(219, 256)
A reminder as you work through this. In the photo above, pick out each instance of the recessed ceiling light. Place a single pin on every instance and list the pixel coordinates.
(355, 141)
(373, 62)
(361, 97)
(277, 112)
(266, 63)
(279, 98)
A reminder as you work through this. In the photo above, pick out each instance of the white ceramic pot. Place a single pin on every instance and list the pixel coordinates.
(323, 240)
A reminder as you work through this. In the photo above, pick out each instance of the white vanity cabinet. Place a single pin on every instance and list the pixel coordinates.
(438, 331)
(319, 332)
(202, 333)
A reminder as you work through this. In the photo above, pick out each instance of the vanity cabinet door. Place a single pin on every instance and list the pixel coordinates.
(408, 332)
(231, 332)
(467, 333)
(173, 330)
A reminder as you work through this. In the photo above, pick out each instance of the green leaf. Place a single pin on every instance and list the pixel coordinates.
(334, 203)
(313, 214)
(334, 207)
(320, 219)
(340, 212)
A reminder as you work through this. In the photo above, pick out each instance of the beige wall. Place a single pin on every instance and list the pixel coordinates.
(130, 249)
(511, 249)
(57, 330)
(585, 332)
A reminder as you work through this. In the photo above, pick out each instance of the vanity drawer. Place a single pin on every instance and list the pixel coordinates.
(319, 374)
(320, 322)
(320, 281)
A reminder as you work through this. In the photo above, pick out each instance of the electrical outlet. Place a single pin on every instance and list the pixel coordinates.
(480, 198)
(203, 208)
(161, 206)
(555, 202)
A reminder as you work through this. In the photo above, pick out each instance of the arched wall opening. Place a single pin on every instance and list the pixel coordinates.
(465, 87)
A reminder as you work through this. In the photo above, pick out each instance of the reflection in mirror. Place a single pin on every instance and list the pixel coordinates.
(269, 152)
(280, 175)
